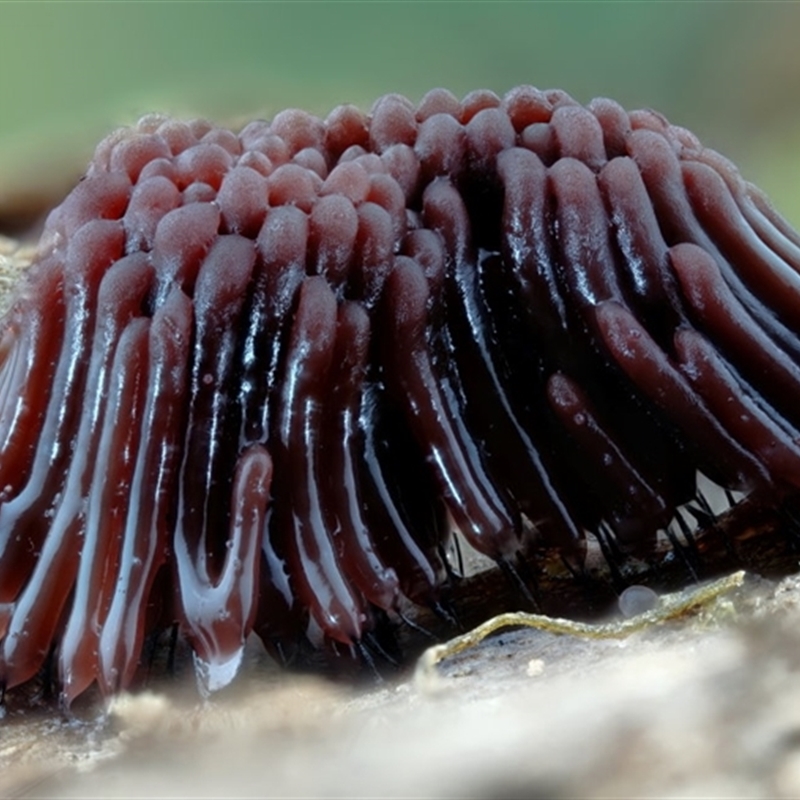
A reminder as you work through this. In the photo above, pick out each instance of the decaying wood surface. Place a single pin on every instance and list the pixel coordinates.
(703, 706)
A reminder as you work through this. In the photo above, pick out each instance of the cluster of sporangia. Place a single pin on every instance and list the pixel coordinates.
(249, 373)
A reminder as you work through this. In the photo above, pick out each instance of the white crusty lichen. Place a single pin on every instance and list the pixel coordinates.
(14, 258)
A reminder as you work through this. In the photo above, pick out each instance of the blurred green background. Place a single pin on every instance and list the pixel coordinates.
(70, 71)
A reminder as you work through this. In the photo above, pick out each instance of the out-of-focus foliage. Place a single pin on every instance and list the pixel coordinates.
(69, 71)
